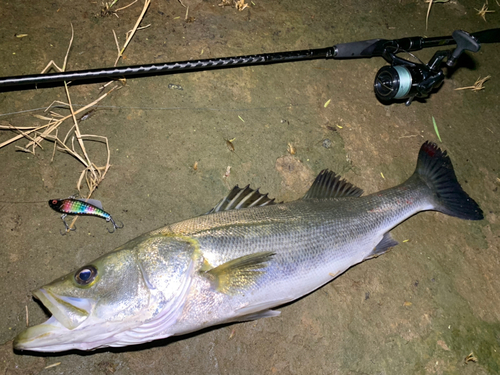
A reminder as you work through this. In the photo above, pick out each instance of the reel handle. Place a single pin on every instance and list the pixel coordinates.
(465, 42)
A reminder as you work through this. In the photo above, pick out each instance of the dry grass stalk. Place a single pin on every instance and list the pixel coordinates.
(52, 365)
(470, 358)
(55, 147)
(478, 85)
(427, 16)
(126, 6)
(92, 174)
(53, 64)
(429, 9)
(240, 5)
(482, 12)
(131, 33)
(25, 135)
(4, 125)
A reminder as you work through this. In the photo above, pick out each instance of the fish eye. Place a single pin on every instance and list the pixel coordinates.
(54, 201)
(85, 275)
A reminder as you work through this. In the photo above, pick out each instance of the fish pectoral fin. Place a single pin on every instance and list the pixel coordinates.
(383, 246)
(235, 276)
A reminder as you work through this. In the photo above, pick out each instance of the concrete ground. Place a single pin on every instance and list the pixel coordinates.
(420, 309)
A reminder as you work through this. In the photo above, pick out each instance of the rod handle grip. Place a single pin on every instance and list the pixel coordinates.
(365, 48)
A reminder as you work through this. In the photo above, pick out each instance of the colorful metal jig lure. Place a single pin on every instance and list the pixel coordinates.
(73, 206)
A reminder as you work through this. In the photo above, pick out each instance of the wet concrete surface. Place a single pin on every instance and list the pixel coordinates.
(420, 309)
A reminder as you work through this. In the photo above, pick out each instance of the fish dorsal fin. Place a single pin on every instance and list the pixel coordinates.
(329, 185)
(235, 276)
(242, 198)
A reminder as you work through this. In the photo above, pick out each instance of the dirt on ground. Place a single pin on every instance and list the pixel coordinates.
(422, 308)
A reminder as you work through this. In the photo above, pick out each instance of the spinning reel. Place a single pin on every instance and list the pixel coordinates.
(405, 79)
(401, 80)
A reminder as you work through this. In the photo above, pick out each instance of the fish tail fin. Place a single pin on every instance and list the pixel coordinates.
(435, 169)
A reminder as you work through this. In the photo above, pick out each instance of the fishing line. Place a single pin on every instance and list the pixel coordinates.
(24, 202)
(162, 108)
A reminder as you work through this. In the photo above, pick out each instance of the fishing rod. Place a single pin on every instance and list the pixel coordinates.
(401, 80)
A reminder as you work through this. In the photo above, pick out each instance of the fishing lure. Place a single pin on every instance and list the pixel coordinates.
(73, 206)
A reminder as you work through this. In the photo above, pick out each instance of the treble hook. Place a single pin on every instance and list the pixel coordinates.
(68, 229)
(115, 227)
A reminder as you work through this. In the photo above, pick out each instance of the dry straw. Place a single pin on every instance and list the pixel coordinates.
(92, 174)
(74, 141)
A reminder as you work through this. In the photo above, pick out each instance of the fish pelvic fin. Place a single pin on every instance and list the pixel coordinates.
(328, 185)
(239, 274)
(258, 315)
(434, 167)
(383, 246)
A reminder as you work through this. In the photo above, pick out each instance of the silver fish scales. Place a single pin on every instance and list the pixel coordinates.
(237, 262)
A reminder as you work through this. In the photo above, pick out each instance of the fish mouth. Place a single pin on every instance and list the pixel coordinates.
(67, 314)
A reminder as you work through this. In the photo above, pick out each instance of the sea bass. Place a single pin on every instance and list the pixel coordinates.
(238, 261)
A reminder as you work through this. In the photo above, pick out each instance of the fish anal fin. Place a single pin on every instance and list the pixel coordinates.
(237, 275)
(383, 246)
(328, 185)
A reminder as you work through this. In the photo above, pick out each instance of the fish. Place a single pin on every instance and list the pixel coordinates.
(239, 261)
(73, 206)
